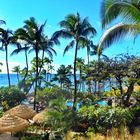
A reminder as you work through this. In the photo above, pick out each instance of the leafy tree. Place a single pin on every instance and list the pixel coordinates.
(77, 29)
(125, 69)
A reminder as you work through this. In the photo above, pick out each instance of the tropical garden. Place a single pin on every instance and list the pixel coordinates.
(98, 100)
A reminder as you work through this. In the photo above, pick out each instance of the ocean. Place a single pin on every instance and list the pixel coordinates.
(14, 80)
(4, 80)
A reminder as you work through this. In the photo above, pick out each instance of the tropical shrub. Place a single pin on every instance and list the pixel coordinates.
(112, 93)
(136, 112)
(10, 97)
(103, 118)
(59, 116)
(136, 95)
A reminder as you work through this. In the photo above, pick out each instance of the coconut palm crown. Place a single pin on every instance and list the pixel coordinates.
(76, 29)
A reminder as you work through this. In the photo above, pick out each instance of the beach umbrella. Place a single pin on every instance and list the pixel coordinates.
(10, 123)
(22, 111)
(40, 117)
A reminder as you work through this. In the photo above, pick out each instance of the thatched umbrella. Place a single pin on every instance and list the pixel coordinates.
(22, 111)
(40, 117)
(10, 123)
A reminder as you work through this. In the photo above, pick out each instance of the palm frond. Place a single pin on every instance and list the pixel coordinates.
(89, 30)
(69, 46)
(63, 33)
(116, 33)
(65, 24)
(111, 9)
(2, 31)
(2, 22)
(83, 41)
(20, 49)
(31, 24)
(55, 39)
(41, 29)
(50, 50)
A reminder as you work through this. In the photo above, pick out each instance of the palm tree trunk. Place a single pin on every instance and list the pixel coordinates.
(36, 52)
(26, 57)
(18, 77)
(42, 60)
(75, 80)
(7, 66)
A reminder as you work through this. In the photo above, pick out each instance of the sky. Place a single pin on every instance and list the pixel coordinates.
(15, 12)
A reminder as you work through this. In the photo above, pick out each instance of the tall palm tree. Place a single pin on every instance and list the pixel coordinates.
(33, 34)
(129, 11)
(6, 38)
(17, 70)
(77, 29)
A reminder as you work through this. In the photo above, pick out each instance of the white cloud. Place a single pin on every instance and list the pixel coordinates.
(11, 65)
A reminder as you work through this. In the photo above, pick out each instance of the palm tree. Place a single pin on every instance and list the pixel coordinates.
(33, 34)
(17, 70)
(6, 39)
(130, 13)
(89, 46)
(77, 29)
(96, 51)
(47, 46)
(62, 76)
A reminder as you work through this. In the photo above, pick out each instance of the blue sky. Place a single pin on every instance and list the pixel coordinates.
(16, 11)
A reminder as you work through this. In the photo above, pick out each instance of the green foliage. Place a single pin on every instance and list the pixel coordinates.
(1, 113)
(112, 93)
(59, 116)
(49, 94)
(136, 111)
(10, 97)
(136, 95)
(104, 118)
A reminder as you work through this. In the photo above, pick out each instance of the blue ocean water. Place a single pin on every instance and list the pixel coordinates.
(14, 80)
(4, 80)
